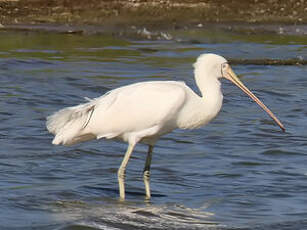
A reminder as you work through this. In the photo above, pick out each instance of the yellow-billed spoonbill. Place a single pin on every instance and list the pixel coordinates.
(143, 112)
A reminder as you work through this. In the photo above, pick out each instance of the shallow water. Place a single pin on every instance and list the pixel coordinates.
(240, 171)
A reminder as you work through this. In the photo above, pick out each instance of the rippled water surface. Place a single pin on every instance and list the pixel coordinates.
(240, 171)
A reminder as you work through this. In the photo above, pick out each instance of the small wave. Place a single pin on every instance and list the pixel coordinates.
(279, 152)
(159, 35)
(130, 216)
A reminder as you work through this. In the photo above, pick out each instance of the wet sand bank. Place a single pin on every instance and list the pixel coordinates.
(110, 15)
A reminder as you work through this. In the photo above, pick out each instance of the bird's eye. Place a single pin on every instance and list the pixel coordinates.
(224, 65)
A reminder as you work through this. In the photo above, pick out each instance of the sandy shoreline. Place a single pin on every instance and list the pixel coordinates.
(122, 15)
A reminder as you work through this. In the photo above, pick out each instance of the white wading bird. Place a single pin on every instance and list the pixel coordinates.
(143, 112)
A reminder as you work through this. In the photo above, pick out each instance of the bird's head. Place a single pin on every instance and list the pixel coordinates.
(217, 66)
(210, 65)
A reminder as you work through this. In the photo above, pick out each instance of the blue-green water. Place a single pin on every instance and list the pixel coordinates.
(240, 171)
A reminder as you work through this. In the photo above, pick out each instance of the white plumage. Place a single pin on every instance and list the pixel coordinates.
(142, 112)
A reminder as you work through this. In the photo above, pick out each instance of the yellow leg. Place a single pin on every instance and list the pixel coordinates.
(146, 172)
(122, 171)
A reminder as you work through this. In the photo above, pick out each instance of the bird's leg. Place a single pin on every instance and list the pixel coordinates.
(146, 172)
(122, 171)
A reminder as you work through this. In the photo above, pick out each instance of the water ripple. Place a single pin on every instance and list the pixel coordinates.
(238, 172)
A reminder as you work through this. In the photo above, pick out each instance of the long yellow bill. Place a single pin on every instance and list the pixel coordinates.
(230, 75)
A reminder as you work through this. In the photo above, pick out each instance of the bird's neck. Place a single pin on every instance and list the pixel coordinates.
(212, 97)
(199, 110)
(210, 87)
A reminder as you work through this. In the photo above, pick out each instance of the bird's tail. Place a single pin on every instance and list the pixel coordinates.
(69, 123)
